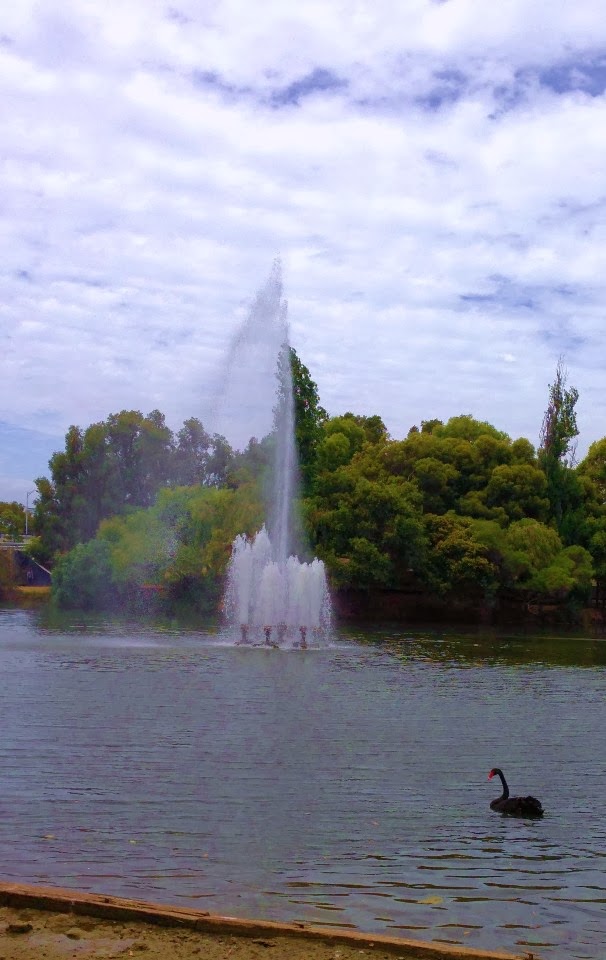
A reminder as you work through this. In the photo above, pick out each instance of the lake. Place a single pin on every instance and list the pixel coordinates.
(344, 786)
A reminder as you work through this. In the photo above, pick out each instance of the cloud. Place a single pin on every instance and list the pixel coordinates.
(319, 80)
(431, 174)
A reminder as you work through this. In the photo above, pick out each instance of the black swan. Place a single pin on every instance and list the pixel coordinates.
(514, 806)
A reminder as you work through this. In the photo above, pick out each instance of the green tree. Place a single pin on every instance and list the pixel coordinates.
(199, 457)
(309, 414)
(83, 578)
(590, 528)
(363, 522)
(457, 562)
(532, 560)
(557, 447)
(452, 463)
(139, 452)
(12, 519)
(191, 453)
(593, 467)
(539, 562)
(177, 549)
(343, 437)
(519, 490)
(110, 467)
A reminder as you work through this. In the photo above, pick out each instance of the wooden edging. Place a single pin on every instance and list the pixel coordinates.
(61, 900)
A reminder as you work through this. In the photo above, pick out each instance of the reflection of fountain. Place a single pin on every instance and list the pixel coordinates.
(281, 603)
(271, 594)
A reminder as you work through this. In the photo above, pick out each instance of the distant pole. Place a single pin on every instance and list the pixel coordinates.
(27, 496)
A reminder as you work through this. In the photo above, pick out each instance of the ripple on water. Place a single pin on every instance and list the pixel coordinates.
(348, 787)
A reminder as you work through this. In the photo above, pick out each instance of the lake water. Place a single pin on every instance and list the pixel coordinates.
(343, 786)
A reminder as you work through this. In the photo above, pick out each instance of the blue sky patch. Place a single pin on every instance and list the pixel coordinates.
(588, 75)
(449, 86)
(214, 80)
(25, 453)
(584, 74)
(319, 80)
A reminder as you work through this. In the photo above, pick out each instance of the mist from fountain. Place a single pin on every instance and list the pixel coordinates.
(279, 604)
(272, 596)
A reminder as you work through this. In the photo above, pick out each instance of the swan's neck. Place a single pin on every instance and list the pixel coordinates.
(505, 787)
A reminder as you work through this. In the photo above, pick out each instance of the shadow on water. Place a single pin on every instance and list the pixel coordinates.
(344, 785)
(484, 646)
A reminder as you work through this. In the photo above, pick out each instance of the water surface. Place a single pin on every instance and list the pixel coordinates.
(344, 786)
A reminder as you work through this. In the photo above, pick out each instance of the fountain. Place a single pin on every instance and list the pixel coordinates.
(278, 603)
(273, 597)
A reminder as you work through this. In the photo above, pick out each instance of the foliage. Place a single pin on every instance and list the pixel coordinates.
(557, 449)
(179, 546)
(469, 467)
(587, 526)
(515, 491)
(457, 561)
(34, 548)
(7, 570)
(119, 465)
(473, 503)
(84, 578)
(363, 522)
(12, 519)
(309, 415)
(593, 468)
(532, 560)
(457, 506)
(199, 457)
(559, 427)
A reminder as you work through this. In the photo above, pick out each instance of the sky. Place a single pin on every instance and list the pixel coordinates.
(432, 174)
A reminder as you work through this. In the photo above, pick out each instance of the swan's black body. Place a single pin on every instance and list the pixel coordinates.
(514, 806)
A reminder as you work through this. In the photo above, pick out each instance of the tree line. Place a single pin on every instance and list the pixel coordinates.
(457, 507)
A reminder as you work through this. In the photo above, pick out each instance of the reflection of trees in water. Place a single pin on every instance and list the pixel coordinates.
(488, 648)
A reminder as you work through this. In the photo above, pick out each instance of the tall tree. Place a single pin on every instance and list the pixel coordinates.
(104, 470)
(557, 442)
(309, 414)
(200, 457)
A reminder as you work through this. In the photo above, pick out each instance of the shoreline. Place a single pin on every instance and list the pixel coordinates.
(55, 922)
(377, 610)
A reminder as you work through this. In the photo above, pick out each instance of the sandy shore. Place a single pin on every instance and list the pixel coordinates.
(38, 923)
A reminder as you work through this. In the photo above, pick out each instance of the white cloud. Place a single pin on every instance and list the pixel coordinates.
(431, 174)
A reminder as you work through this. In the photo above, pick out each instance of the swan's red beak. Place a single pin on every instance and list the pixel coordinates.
(490, 775)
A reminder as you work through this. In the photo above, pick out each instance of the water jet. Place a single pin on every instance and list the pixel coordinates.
(272, 596)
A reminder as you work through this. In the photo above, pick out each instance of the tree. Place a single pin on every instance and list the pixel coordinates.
(519, 490)
(139, 452)
(108, 468)
(590, 532)
(191, 453)
(219, 462)
(199, 457)
(457, 562)
(452, 464)
(343, 437)
(178, 548)
(594, 468)
(557, 446)
(364, 522)
(12, 519)
(309, 414)
(83, 577)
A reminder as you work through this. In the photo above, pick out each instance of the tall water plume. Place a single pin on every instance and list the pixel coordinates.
(271, 594)
(244, 396)
(285, 472)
